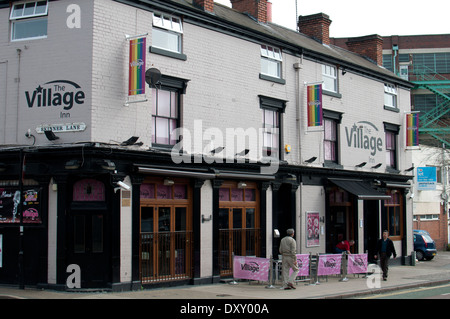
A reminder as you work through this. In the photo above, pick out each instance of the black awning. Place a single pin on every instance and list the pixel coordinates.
(363, 190)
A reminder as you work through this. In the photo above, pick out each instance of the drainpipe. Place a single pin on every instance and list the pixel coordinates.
(395, 49)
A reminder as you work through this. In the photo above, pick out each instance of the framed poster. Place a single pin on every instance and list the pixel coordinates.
(312, 229)
(9, 205)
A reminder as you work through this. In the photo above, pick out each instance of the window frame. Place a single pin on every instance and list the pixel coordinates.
(390, 95)
(394, 131)
(165, 24)
(328, 76)
(277, 106)
(272, 56)
(27, 18)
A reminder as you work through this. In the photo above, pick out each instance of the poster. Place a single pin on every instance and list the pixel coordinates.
(312, 229)
(9, 205)
(252, 268)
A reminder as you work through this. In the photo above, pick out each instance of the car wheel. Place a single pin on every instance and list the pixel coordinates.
(419, 255)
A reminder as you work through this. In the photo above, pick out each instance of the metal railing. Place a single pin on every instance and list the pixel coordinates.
(166, 256)
(241, 242)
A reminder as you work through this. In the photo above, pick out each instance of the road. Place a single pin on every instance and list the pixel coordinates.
(437, 292)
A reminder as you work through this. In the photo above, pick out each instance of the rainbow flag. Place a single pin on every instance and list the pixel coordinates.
(136, 80)
(412, 129)
(315, 105)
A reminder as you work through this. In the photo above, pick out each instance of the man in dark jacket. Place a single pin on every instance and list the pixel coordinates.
(385, 248)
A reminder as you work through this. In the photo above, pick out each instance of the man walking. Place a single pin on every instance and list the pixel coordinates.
(288, 249)
(385, 248)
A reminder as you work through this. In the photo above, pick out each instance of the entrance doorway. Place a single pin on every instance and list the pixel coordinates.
(88, 227)
(88, 247)
(239, 231)
(166, 237)
(340, 219)
(166, 244)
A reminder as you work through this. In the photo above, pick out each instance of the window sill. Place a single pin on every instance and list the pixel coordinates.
(392, 109)
(170, 54)
(333, 94)
(330, 164)
(392, 170)
(272, 79)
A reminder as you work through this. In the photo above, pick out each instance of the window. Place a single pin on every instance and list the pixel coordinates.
(271, 125)
(167, 32)
(29, 20)
(271, 129)
(390, 96)
(329, 77)
(271, 61)
(391, 149)
(394, 208)
(330, 140)
(164, 116)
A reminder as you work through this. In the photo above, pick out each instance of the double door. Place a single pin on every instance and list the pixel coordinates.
(238, 235)
(166, 243)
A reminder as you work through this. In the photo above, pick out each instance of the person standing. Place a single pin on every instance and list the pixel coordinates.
(385, 248)
(288, 250)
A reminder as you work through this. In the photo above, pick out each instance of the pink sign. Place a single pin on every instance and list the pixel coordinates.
(329, 265)
(357, 264)
(252, 268)
(303, 265)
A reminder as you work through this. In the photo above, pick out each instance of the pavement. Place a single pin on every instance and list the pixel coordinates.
(424, 273)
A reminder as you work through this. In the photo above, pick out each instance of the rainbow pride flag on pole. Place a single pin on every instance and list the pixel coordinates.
(136, 80)
(412, 129)
(314, 104)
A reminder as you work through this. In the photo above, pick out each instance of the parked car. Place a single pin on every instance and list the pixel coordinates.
(424, 245)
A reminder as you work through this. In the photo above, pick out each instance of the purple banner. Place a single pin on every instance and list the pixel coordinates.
(252, 268)
(357, 264)
(329, 265)
(303, 265)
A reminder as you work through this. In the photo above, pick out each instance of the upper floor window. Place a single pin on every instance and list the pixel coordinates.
(164, 116)
(390, 96)
(167, 32)
(271, 61)
(271, 125)
(29, 20)
(391, 150)
(329, 77)
(330, 140)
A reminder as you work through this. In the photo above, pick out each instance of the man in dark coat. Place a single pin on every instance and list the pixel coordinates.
(385, 248)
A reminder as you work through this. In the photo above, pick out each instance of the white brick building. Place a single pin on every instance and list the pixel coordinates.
(226, 74)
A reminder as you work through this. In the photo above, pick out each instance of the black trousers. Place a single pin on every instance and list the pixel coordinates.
(384, 264)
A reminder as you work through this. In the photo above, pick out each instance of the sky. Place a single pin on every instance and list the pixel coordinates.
(354, 18)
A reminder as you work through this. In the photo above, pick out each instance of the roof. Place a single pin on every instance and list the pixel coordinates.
(229, 19)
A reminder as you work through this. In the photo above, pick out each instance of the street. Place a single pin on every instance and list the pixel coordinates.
(438, 292)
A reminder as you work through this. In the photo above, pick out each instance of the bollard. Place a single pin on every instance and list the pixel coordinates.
(344, 267)
(271, 277)
(234, 282)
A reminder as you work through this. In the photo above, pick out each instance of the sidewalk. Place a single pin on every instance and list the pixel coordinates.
(425, 273)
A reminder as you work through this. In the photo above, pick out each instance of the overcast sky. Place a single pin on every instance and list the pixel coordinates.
(353, 18)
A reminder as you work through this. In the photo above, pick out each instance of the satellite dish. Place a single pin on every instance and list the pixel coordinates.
(152, 76)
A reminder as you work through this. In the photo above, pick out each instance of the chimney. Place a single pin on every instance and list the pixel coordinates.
(370, 46)
(255, 8)
(317, 26)
(269, 11)
(207, 5)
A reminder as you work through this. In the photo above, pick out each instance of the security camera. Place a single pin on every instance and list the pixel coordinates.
(124, 186)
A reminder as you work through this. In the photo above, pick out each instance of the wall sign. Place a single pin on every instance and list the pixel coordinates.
(67, 127)
(9, 206)
(426, 178)
(364, 135)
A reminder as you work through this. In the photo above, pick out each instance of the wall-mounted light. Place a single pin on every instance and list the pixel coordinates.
(242, 185)
(131, 141)
(361, 164)
(409, 169)
(168, 182)
(377, 166)
(72, 164)
(108, 165)
(206, 219)
(50, 135)
(310, 160)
